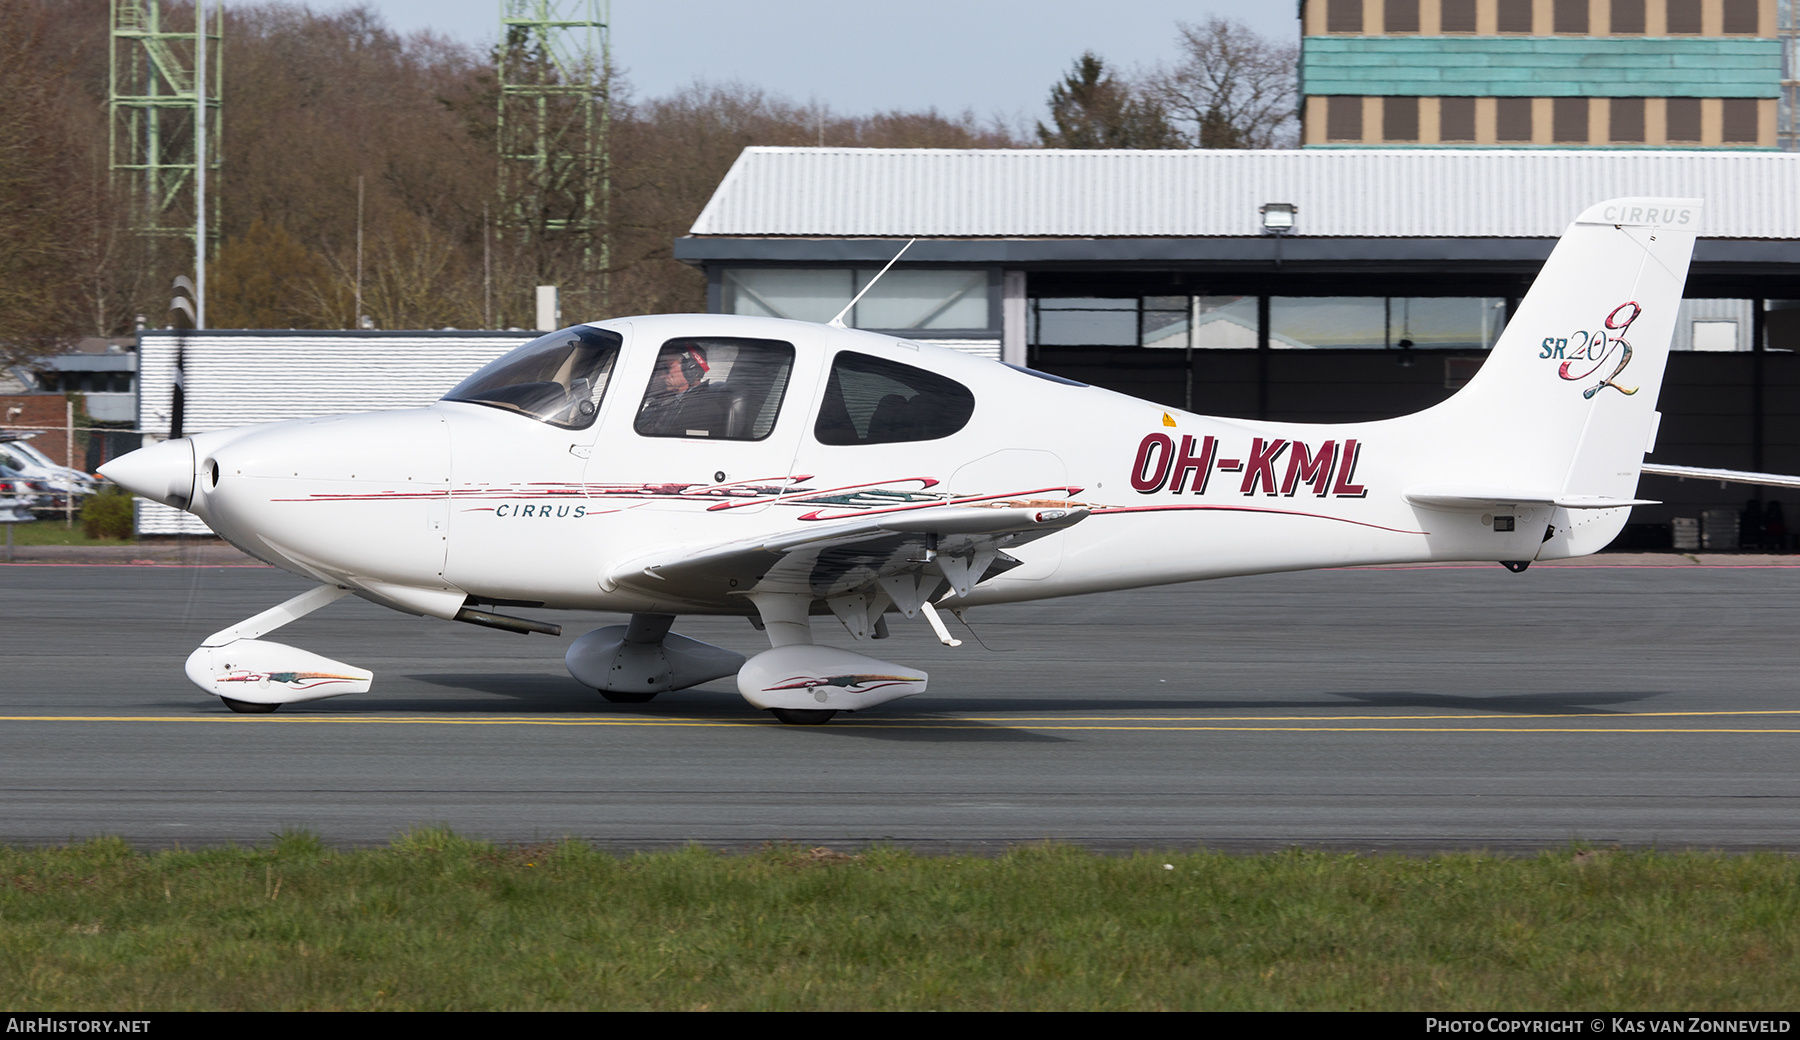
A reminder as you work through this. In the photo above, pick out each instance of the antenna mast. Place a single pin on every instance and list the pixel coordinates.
(838, 322)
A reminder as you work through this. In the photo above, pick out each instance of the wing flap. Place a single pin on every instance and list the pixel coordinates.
(830, 558)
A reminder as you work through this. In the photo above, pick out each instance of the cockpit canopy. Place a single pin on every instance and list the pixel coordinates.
(558, 378)
(729, 388)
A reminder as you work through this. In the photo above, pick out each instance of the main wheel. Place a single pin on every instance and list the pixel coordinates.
(627, 697)
(249, 707)
(804, 716)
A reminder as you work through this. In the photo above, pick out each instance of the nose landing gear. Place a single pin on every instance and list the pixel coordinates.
(254, 677)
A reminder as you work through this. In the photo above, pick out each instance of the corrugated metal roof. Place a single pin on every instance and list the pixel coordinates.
(1351, 193)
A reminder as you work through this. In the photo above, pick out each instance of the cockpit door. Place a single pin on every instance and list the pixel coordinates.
(522, 433)
(706, 421)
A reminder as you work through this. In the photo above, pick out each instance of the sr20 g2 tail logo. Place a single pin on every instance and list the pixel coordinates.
(1585, 353)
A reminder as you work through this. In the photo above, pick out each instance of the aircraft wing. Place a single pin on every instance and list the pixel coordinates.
(1723, 476)
(902, 555)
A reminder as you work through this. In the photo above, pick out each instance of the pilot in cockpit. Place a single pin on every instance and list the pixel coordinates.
(680, 371)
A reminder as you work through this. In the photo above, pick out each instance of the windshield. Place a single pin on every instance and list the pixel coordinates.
(558, 378)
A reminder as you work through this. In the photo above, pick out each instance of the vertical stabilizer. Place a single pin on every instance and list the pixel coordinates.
(1566, 402)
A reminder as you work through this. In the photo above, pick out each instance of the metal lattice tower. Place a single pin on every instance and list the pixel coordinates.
(555, 119)
(153, 107)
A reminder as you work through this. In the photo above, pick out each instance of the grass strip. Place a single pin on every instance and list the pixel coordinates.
(55, 532)
(438, 922)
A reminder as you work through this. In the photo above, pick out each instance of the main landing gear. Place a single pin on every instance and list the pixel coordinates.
(803, 716)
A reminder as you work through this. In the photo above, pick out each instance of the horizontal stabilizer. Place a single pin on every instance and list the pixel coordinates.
(1728, 476)
(1601, 502)
(1471, 497)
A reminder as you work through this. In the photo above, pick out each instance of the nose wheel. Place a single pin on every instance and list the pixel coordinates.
(248, 708)
(629, 696)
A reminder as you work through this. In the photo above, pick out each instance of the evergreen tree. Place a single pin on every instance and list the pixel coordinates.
(1092, 109)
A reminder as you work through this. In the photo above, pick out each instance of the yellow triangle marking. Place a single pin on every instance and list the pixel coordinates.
(1168, 420)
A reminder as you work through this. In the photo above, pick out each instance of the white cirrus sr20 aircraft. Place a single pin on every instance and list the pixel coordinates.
(796, 473)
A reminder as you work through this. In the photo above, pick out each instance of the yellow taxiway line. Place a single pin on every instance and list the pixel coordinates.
(1470, 723)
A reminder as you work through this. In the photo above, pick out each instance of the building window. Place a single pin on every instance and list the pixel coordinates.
(1628, 17)
(1513, 16)
(905, 299)
(1627, 120)
(1223, 322)
(1683, 119)
(1456, 119)
(1078, 321)
(1156, 322)
(1458, 16)
(1343, 118)
(1571, 16)
(1344, 16)
(1714, 325)
(1740, 17)
(1378, 322)
(1400, 16)
(1740, 121)
(1400, 119)
(1512, 119)
(1218, 322)
(1569, 120)
(1715, 335)
(1684, 17)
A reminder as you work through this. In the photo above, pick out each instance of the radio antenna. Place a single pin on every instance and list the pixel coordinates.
(838, 322)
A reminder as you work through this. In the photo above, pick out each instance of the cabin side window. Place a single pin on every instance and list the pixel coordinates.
(716, 387)
(870, 400)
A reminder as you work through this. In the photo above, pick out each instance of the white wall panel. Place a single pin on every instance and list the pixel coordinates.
(242, 378)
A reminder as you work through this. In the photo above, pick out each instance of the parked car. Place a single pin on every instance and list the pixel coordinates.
(18, 496)
(17, 453)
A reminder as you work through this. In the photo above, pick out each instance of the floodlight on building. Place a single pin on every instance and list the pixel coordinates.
(1278, 217)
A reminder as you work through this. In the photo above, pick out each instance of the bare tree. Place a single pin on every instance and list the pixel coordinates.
(1231, 87)
(315, 103)
(44, 191)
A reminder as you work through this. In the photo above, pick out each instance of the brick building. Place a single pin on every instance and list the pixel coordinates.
(1549, 73)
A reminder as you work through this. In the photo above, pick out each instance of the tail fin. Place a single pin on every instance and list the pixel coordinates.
(1566, 402)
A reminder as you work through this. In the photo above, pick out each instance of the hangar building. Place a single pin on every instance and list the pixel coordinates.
(1307, 285)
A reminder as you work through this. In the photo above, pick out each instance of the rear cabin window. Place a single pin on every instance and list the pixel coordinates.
(870, 400)
(716, 387)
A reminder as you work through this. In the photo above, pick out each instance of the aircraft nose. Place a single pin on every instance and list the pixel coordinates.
(163, 472)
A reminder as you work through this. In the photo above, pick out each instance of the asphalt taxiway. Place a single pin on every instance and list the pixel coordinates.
(1644, 702)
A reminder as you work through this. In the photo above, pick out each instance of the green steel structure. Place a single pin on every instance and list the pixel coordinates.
(153, 107)
(555, 118)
